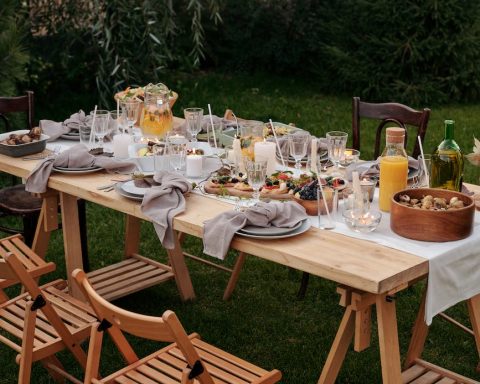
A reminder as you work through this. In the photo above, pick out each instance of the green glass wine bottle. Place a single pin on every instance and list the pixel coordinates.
(447, 162)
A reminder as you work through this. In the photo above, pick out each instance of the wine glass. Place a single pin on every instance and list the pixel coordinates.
(130, 110)
(256, 172)
(193, 117)
(298, 147)
(336, 143)
(100, 127)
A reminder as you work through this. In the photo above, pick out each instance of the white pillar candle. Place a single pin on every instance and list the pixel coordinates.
(266, 150)
(120, 145)
(237, 150)
(194, 165)
(313, 155)
(177, 139)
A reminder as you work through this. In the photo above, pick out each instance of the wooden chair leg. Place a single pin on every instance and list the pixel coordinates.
(232, 282)
(48, 363)
(82, 221)
(26, 356)
(303, 286)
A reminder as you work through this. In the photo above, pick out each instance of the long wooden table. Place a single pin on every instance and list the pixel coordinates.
(368, 274)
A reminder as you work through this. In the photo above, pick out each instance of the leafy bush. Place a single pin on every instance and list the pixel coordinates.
(116, 43)
(13, 54)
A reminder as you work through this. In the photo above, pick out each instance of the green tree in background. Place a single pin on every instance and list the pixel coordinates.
(13, 55)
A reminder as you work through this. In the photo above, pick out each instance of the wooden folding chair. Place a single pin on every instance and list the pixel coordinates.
(33, 263)
(185, 361)
(42, 321)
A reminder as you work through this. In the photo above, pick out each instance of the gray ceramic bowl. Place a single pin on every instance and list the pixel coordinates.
(22, 149)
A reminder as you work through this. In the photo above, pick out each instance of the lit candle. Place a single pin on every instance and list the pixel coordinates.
(368, 185)
(313, 155)
(194, 165)
(237, 150)
(177, 139)
(120, 145)
(266, 150)
(357, 189)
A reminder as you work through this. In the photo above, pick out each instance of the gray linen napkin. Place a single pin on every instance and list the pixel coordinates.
(161, 204)
(56, 129)
(74, 157)
(219, 231)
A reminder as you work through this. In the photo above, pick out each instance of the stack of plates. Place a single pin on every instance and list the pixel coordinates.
(76, 171)
(73, 134)
(130, 191)
(274, 232)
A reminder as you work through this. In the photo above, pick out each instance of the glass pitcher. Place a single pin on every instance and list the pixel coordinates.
(156, 119)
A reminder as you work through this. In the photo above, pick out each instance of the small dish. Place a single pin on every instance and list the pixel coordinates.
(362, 222)
(26, 149)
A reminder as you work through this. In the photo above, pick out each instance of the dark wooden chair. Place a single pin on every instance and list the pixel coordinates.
(14, 200)
(389, 114)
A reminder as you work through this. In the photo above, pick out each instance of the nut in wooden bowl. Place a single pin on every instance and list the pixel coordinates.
(429, 214)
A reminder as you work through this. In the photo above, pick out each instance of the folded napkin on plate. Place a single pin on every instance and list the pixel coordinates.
(219, 231)
(75, 157)
(371, 168)
(56, 129)
(161, 204)
(284, 146)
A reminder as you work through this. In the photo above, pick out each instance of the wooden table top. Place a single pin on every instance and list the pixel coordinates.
(357, 263)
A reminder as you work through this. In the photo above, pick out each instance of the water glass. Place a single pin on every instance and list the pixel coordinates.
(161, 161)
(193, 117)
(326, 221)
(336, 143)
(298, 144)
(177, 154)
(86, 134)
(100, 125)
(130, 111)
(423, 177)
(256, 172)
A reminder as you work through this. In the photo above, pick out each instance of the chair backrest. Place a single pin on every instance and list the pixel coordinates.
(23, 104)
(389, 113)
(117, 320)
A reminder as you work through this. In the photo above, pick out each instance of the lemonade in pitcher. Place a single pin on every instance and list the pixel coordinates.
(156, 119)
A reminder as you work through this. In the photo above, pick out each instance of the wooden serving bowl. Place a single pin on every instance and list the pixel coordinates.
(428, 225)
(311, 206)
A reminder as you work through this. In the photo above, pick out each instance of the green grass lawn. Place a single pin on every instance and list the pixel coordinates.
(264, 322)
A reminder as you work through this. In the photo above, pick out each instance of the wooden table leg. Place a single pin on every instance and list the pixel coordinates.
(337, 353)
(388, 340)
(132, 235)
(71, 240)
(180, 270)
(47, 222)
(474, 311)
(419, 335)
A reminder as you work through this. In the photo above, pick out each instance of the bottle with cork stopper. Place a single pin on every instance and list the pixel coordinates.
(393, 167)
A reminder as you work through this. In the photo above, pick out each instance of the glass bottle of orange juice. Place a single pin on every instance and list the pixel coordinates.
(393, 167)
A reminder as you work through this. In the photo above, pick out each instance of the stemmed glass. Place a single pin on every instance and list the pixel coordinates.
(130, 110)
(100, 128)
(256, 172)
(298, 147)
(336, 143)
(193, 117)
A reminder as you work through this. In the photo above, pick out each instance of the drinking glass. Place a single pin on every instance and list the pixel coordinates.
(177, 154)
(100, 127)
(298, 144)
(193, 117)
(423, 177)
(214, 134)
(130, 110)
(85, 132)
(336, 142)
(256, 172)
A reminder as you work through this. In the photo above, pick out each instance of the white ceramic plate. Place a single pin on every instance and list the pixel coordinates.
(120, 191)
(269, 231)
(305, 226)
(71, 137)
(129, 187)
(76, 171)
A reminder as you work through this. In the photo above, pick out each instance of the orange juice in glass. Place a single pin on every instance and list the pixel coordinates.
(393, 167)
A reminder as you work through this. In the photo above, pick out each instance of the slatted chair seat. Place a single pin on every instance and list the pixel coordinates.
(128, 276)
(76, 315)
(423, 372)
(34, 264)
(187, 360)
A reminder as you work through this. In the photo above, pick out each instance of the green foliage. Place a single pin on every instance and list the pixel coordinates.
(13, 55)
(113, 44)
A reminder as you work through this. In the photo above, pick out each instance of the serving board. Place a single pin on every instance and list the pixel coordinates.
(212, 188)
